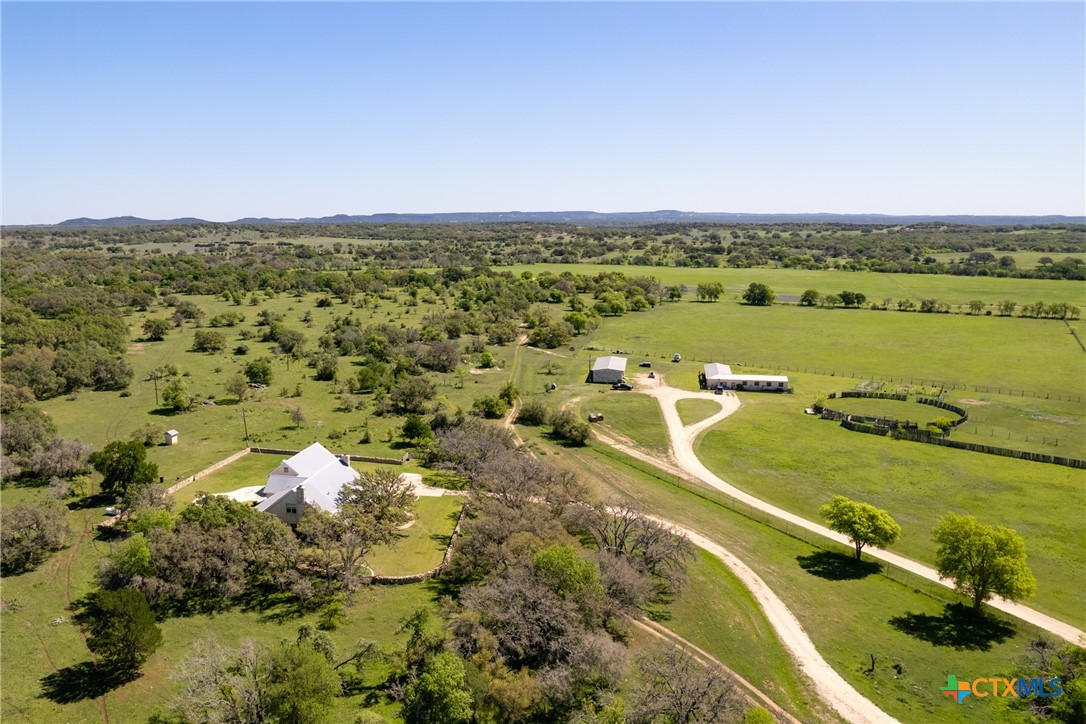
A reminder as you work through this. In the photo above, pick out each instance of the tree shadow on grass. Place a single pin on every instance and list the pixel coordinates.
(98, 500)
(83, 681)
(836, 566)
(959, 627)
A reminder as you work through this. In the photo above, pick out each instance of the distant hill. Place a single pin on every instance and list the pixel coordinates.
(597, 218)
(128, 221)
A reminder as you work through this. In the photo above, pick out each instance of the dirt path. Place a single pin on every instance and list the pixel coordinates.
(682, 451)
(833, 689)
(68, 600)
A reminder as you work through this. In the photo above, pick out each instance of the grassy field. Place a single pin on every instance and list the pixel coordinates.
(629, 414)
(793, 282)
(957, 350)
(850, 615)
(210, 433)
(691, 411)
(917, 483)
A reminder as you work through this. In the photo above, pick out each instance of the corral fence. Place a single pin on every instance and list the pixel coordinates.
(925, 436)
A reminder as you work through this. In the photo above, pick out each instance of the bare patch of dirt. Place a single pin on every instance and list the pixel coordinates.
(967, 401)
(481, 371)
(135, 348)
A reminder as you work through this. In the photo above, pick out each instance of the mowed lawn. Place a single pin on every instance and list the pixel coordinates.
(772, 450)
(691, 411)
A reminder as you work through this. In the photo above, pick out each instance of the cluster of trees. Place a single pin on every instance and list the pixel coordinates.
(542, 582)
(980, 559)
(873, 247)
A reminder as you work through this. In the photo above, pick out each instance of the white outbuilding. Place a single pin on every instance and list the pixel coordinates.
(172, 437)
(608, 370)
(720, 377)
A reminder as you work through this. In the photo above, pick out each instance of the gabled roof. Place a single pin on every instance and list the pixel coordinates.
(321, 474)
(609, 363)
(715, 369)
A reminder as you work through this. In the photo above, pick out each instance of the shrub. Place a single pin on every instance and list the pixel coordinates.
(533, 412)
(567, 426)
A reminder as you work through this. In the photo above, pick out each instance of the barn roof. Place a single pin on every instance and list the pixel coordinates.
(714, 370)
(610, 362)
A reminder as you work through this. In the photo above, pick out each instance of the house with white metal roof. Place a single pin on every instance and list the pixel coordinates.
(313, 476)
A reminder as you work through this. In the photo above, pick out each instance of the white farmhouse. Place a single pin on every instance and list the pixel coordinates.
(720, 377)
(312, 477)
(608, 370)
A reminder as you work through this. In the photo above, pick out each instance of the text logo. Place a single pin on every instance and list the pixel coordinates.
(999, 686)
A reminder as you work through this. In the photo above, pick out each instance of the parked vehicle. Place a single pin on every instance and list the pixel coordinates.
(621, 386)
(112, 511)
(677, 357)
(652, 375)
(645, 364)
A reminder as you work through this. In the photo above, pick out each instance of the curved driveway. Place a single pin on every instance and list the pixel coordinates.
(682, 449)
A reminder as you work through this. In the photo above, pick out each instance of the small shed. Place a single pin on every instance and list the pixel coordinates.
(608, 370)
(171, 437)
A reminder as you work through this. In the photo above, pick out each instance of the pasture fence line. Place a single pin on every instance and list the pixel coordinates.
(861, 375)
(208, 470)
(925, 436)
(350, 456)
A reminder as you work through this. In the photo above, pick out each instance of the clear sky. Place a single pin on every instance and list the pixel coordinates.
(227, 110)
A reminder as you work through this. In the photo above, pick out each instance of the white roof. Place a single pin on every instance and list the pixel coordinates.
(753, 378)
(609, 363)
(321, 474)
(715, 370)
(171, 432)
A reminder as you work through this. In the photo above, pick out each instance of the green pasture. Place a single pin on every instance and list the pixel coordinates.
(631, 415)
(1022, 259)
(849, 614)
(691, 411)
(876, 286)
(770, 449)
(910, 410)
(960, 351)
(209, 433)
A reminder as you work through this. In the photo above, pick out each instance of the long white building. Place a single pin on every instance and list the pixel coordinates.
(720, 376)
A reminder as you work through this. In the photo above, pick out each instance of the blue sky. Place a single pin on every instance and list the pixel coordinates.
(226, 110)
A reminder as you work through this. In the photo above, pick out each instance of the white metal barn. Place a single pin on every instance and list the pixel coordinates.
(608, 370)
(718, 376)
